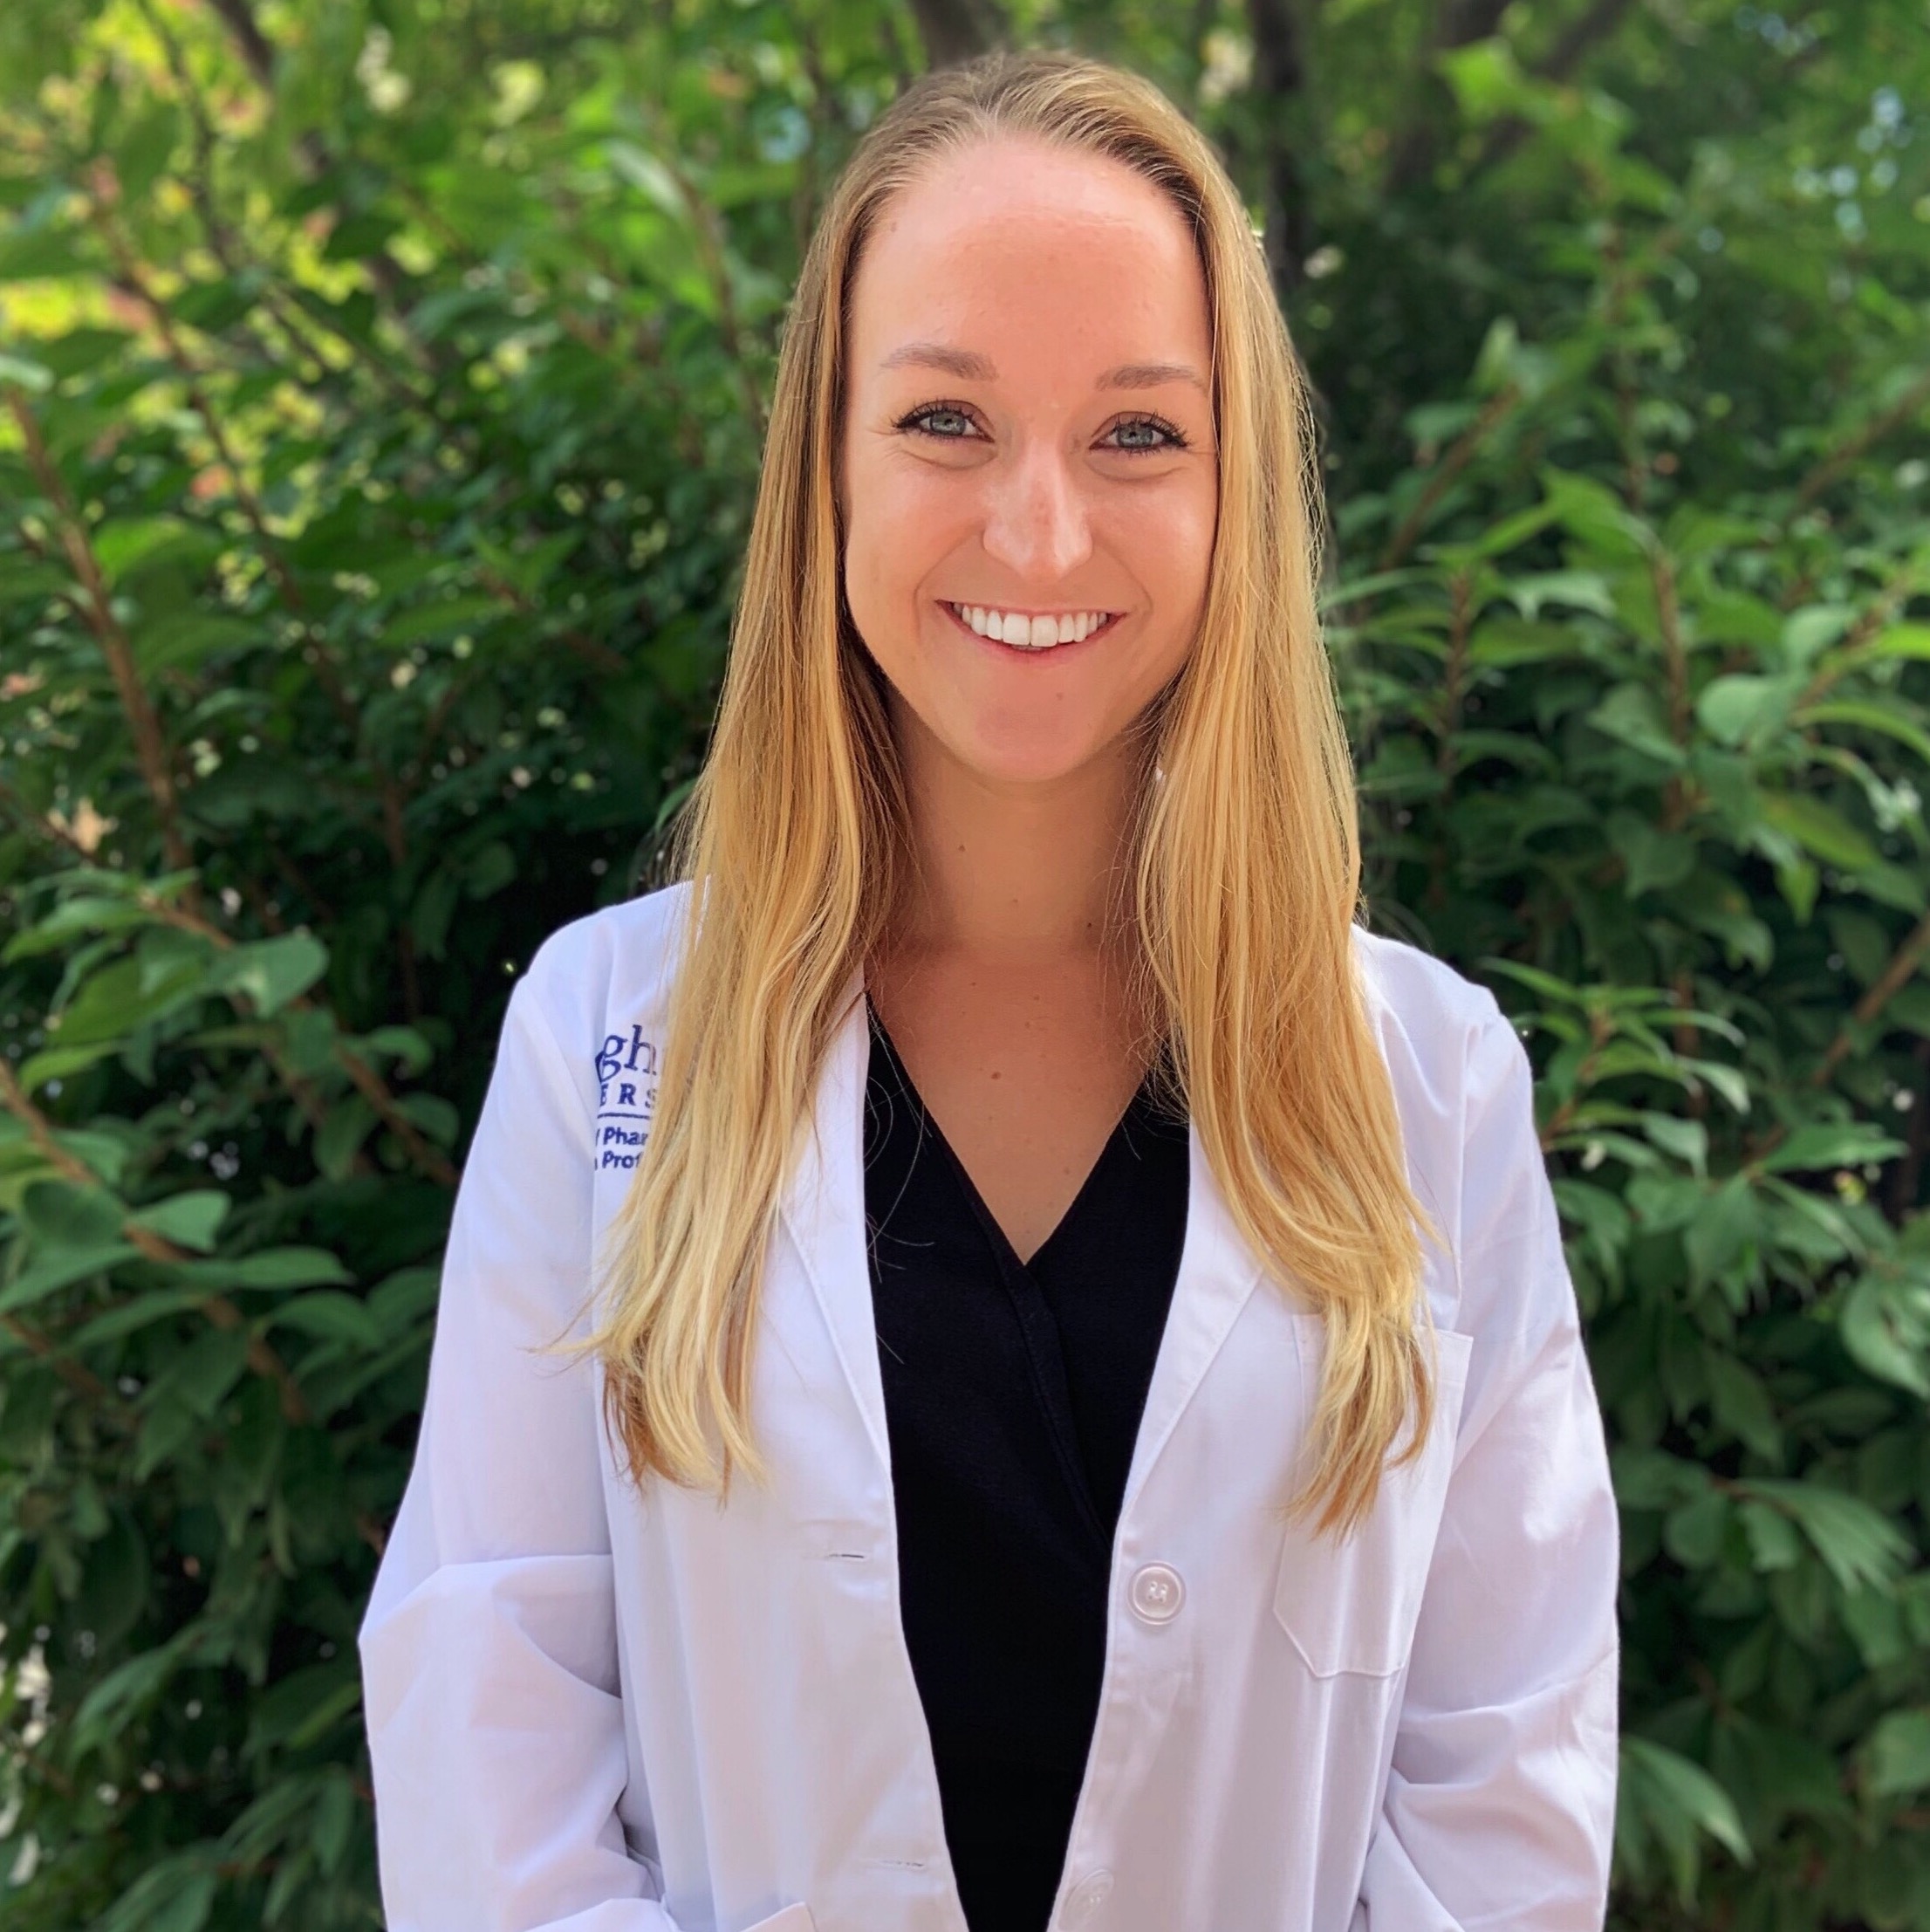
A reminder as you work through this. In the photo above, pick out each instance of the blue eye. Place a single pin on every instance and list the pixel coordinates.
(1137, 433)
(943, 420)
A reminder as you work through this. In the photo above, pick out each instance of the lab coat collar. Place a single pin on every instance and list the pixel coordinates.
(823, 1209)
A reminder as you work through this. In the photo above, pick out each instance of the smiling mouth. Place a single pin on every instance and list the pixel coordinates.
(1031, 630)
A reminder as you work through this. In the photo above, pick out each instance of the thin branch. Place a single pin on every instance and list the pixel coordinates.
(223, 1312)
(1895, 976)
(1848, 652)
(150, 744)
(1460, 455)
(955, 30)
(1854, 445)
(599, 656)
(1280, 74)
(428, 1158)
(370, 1084)
(1679, 796)
(256, 48)
(1557, 63)
(225, 244)
(133, 275)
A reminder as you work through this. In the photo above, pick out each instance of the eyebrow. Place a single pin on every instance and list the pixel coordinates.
(970, 367)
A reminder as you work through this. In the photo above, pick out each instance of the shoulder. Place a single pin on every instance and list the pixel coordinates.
(598, 985)
(1462, 1081)
(1430, 1016)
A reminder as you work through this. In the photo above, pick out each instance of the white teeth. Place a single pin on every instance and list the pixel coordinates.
(1029, 634)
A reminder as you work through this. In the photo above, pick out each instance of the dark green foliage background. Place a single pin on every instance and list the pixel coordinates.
(380, 397)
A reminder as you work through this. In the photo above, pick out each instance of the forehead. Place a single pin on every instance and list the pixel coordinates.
(1022, 245)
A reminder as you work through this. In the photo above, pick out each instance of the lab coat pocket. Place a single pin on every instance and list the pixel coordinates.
(793, 1918)
(1351, 1606)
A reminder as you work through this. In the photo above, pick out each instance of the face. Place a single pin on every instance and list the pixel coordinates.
(1029, 472)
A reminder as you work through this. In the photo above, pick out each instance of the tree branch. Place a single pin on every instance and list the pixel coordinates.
(1557, 63)
(1280, 73)
(143, 723)
(256, 48)
(223, 1312)
(955, 30)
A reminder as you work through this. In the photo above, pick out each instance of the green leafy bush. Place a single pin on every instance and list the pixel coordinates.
(382, 391)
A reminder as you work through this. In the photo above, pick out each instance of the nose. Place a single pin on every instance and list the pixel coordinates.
(1036, 521)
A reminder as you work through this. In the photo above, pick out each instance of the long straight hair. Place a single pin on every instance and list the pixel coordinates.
(1245, 854)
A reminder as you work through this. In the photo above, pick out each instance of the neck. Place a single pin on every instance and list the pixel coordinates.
(1014, 871)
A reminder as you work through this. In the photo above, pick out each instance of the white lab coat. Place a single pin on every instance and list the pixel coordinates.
(589, 1712)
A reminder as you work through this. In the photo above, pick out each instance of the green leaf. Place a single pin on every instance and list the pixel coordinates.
(271, 1268)
(35, 377)
(434, 1116)
(1830, 1144)
(1667, 1795)
(1654, 859)
(143, 151)
(120, 547)
(405, 1043)
(1885, 1324)
(1741, 709)
(1693, 1532)
(1858, 1544)
(175, 1894)
(331, 1316)
(1724, 1225)
(272, 972)
(1819, 828)
(1773, 1543)
(1741, 1403)
(302, 1706)
(112, 1707)
(1596, 517)
(1686, 1140)
(138, 1314)
(453, 614)
(335, 1814)
(348, 1125)
(1908, 640)
(1890, 721)
(644, 172)
(204, 1371)
(1897, 1755)
(114, 1585)
(168, 1427)
(1633, 714)
(184, 639)
(1814, 629)
(190, 1220)
(60, 1215)
(85, 912)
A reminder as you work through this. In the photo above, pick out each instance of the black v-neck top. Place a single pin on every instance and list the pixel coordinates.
(1013, 1392)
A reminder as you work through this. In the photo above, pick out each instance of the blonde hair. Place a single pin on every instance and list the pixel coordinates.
(1246, 859)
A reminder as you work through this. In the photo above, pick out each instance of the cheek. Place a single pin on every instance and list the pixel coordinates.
(1169, 537)
(901, 523)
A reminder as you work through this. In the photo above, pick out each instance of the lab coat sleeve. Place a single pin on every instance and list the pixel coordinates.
(1500, 1805)
(489, 1649)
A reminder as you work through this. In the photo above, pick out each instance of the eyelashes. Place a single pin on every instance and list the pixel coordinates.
(917, 421)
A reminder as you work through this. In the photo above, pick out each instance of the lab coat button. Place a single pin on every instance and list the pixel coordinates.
(1086, 1897)
(1156, 1592)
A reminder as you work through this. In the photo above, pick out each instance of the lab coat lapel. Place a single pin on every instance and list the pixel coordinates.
(1217, 1273)
(824, 1211)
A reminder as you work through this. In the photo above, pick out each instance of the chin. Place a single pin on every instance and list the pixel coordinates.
(1022, 758)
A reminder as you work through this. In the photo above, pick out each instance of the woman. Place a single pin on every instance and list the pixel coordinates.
(1090, 1425)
